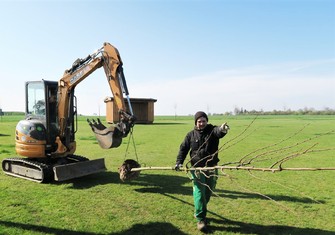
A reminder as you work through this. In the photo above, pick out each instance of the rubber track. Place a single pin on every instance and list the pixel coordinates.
(46, 171)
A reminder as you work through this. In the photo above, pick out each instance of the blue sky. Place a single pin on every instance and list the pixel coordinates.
(190, 55)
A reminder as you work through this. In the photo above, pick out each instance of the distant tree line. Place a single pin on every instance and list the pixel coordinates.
(241, 111)
(304, 111)
(12, 113)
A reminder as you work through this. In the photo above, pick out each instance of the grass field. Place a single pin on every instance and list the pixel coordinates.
(161, 202)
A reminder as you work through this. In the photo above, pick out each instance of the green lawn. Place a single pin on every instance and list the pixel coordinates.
(160, 202)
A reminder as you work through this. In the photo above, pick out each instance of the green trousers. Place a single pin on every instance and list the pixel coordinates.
(204, 183)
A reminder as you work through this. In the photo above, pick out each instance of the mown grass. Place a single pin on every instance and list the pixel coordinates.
(160, 202)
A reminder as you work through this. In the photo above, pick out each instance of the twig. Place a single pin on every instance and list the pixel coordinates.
(272, 145)
(286, 147)
(238, 135)
(284, 186)
(267, 197)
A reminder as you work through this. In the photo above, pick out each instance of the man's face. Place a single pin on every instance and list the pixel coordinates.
(201, 123)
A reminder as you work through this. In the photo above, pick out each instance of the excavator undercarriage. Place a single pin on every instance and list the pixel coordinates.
(48, 170)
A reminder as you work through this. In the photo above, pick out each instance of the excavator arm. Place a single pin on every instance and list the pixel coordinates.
(109, 58)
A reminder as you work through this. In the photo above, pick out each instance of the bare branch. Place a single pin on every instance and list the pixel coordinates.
(291, 156)
(247, 168)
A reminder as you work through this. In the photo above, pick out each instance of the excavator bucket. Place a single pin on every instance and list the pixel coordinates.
(78, 169)
(107, 137)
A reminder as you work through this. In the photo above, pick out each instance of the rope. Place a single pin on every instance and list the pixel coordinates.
(131, 139)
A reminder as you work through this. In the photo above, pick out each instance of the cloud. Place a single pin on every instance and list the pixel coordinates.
(280, 86)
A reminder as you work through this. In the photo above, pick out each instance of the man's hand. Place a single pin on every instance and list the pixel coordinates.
(224, 127)
(178, 166)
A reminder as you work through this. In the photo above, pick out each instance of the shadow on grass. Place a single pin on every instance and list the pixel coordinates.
(168, 184)
(152, 183)
(42, 229)
(150, 228)
(224, 225)
(172, 184)
(236, 195)
(4, 134)
(168, 187)
(90, 181)
(217, 224)
(163, 184)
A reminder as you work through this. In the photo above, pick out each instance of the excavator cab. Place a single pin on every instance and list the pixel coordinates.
(36, 135)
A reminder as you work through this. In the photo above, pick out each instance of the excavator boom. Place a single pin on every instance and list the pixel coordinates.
(109, 58)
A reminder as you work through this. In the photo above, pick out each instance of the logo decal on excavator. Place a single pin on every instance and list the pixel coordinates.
(76, 77)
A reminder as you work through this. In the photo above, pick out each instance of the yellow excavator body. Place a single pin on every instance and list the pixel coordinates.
(46, 138)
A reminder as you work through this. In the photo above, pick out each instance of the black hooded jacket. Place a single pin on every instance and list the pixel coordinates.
(203, 146)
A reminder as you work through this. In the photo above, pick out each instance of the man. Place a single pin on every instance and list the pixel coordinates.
(203, 143)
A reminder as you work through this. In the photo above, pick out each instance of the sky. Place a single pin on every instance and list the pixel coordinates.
(190, 55)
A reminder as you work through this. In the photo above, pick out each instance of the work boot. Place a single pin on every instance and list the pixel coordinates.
(205, 220)
(201, 225)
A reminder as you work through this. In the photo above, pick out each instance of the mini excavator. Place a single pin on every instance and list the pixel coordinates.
(46, 137)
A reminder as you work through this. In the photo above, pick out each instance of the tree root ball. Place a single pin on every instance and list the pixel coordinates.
(125, 170)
